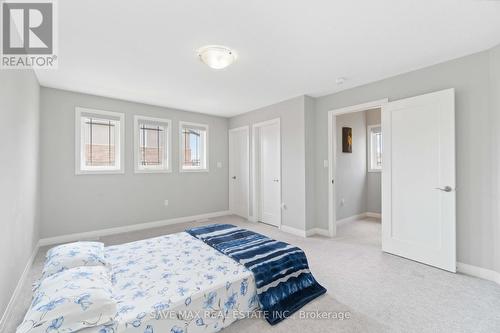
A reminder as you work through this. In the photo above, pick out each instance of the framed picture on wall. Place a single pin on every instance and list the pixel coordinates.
(346, 140)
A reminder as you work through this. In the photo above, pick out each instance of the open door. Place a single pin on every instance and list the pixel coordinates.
(418, 179)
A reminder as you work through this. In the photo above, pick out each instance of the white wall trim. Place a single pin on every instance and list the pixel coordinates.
(375, 215)
(293, 231)
(350, 219)
(332, 151)
(318, 231)
(305, 233)
(357, 217)
(13, 299)
(134, 227)
(478, 272)
(241, 128)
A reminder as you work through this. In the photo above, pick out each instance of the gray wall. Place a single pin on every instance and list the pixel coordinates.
(293, 183)
(477, 154)
(373, 179)
(310, 129)
(19, 176)
(495, 138)
(350, 171)
(72, 204)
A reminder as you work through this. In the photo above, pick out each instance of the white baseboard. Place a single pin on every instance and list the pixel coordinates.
(375, 215)
(318, 231)
(13, 299)
(246, 217)
(350, 219)
(293, 231)
(305, 233)
(357, 217)
(479, 272)
(134, 227)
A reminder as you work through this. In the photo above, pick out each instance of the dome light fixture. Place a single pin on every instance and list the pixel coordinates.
(217, 56)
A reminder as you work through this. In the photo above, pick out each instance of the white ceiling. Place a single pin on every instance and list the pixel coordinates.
(145, 51)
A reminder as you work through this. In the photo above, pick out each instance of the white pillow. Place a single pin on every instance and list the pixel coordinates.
(71, 300)
(72, 255)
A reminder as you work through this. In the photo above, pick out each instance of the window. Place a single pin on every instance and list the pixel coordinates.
(99, 136)
(152, 144)
(193, 147)
(375, 148)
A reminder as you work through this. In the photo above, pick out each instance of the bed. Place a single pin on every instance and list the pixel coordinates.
(201, 280)
(176, 283)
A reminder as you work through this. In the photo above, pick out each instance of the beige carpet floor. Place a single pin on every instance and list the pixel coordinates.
(382, 293)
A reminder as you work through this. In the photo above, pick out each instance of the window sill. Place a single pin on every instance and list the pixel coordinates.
(152, 171)
(193, 170)
(99, 172)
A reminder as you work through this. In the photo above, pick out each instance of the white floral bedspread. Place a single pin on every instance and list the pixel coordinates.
(176, 283)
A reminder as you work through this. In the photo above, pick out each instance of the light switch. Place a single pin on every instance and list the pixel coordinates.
(325, 163)
(219, 165)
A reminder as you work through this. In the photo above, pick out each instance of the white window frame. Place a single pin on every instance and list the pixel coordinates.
(370, 148)
(204, 168)
(80, 169)
(167, 153)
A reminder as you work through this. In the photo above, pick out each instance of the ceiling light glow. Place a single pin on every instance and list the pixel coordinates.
(217, 56)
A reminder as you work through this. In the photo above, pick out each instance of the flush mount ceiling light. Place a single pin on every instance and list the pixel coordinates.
(217, 56)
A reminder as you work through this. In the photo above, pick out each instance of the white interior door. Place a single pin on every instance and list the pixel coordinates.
(270, 174)
(239, 171)
(418, 179)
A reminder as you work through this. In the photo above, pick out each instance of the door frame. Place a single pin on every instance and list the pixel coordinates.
(332, 155)
(247, 130)
(255, 177)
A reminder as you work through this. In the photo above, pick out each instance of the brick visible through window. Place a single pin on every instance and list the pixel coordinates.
(152, 145)
(194, 146)
(192, 149)
(99, 142)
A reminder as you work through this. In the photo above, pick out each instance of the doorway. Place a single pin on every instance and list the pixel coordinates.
(267, 172)
(239, 175)
(333, 144)
(358, 167)
(418, 177)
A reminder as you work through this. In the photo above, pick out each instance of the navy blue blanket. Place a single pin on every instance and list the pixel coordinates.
(284, 282)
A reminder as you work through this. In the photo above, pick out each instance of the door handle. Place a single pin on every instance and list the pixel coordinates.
(234, 177)
(276, 180)
(444, 189)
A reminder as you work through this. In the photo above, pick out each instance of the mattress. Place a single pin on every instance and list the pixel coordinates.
(176, 283)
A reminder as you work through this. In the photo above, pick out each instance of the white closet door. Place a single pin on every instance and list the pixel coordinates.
(270, 171)
(238, 171)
